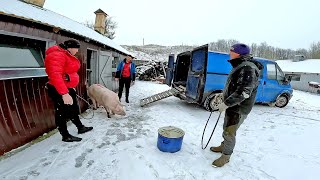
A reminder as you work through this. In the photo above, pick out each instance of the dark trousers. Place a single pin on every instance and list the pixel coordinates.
(232, 122)
(64, 112)
(124, 82)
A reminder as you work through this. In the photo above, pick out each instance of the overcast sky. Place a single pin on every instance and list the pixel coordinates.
(281, 23)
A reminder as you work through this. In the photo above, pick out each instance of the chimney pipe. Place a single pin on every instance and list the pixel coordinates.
(39, 3)
(100, 23)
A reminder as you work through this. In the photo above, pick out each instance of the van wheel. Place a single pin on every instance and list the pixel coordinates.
(282, 101)
(212, 102)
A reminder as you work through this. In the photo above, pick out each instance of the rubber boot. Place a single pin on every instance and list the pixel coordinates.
(217, 149)
(221, 161)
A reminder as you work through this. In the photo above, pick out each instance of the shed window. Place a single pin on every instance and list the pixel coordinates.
(18, 57)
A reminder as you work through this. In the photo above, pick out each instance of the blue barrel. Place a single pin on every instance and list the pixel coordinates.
(170, 139)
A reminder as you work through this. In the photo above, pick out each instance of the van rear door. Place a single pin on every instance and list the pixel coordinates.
(170, 70)
(196, 74)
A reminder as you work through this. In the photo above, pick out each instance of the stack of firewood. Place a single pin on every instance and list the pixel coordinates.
(151, 71)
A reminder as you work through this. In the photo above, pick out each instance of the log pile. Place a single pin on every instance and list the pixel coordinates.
(151, 71)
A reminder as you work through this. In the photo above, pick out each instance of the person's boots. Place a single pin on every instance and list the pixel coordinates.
(217, 149)
(70, 138)
(127, 97)
(221, 161)
(84, 129)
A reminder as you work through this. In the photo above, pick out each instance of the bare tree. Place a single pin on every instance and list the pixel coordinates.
(315, 50)
(89, 24)
(110, 28)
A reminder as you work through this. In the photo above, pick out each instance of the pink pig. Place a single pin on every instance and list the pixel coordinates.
(100, 95)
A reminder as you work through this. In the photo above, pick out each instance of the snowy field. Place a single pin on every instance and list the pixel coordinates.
(272, 144)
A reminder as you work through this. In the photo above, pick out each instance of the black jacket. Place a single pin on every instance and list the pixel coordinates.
(241, 87)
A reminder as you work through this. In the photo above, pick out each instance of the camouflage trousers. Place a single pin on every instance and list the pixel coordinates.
(232, 122)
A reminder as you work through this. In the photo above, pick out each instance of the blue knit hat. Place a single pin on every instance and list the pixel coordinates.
(240, 48)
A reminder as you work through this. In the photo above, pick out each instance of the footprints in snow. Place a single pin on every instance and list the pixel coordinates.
(81, 159)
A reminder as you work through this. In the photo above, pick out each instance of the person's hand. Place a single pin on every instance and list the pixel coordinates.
(67, 99)
(222, 107)
(117, 79)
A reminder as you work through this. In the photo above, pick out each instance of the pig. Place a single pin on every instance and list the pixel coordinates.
(101, 95)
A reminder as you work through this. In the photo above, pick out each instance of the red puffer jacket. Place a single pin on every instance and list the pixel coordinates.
(59, 63)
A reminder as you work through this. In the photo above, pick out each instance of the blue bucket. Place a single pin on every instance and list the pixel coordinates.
(170, 139)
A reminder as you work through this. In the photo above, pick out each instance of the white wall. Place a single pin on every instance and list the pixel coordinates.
(303, 84)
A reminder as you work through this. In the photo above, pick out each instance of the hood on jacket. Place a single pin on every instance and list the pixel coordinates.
(52, 49)
(237, 61)
(58, 48)
(257, 63)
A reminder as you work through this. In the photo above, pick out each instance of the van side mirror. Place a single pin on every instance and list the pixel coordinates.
(287, 80)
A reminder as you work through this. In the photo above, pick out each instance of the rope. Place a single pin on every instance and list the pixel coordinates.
(90, 107)
(204, 130)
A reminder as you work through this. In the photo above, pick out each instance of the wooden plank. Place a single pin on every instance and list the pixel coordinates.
(23, 30)
(2, 25)
(29, 31)
(16, 28)
(9, 27)
(49, 107)
(23, 123)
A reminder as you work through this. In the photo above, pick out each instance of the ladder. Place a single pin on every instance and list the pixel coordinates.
(171, 92)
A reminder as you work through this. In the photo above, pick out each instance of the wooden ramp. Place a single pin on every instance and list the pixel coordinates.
(157, 97)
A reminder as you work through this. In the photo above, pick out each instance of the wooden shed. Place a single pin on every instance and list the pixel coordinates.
(26, 31)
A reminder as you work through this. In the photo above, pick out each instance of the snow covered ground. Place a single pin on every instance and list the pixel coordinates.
(272, 144)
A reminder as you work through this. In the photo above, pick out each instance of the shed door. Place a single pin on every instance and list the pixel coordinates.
(105, 69)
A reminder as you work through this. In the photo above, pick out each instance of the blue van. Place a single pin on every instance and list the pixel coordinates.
(203, 74)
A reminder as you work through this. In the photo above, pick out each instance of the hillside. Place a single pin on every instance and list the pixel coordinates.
(156, 52)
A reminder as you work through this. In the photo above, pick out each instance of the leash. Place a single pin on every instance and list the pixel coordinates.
(204, 130)
(90, 107)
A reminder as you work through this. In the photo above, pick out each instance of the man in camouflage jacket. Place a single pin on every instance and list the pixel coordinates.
(238, 98)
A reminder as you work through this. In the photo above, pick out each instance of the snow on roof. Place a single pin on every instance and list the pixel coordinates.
(306, 66)
(44, 16)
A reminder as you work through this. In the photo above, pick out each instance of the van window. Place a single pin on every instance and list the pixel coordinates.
(271, 70)
(280, 74)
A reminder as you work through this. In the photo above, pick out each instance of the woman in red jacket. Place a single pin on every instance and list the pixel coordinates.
(62, 67)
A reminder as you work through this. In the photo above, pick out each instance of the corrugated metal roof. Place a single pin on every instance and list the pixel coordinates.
(44, 16)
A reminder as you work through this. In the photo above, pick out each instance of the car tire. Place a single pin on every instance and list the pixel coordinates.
(212, 101)
(282, 101)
